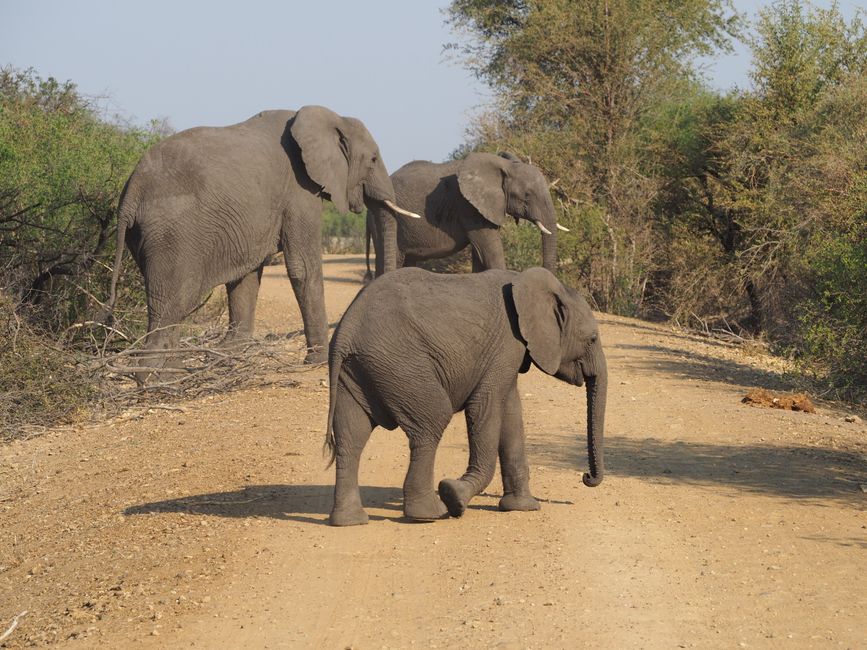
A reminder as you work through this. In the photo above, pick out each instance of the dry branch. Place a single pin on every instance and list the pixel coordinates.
(12, 627)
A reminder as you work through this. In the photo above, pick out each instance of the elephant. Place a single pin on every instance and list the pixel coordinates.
(462, 202)
(415, 347)
(209, 205)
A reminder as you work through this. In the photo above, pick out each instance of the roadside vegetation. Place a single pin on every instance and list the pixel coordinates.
(62, 167)
(740, 214)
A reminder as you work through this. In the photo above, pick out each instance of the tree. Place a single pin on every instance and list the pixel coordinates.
(764, 217)
(573, 83)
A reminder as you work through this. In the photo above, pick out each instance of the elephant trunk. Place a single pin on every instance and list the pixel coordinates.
(549, 251)
(387, 238)
(596, 378)
(547, 219)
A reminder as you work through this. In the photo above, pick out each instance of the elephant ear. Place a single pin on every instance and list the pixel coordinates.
(537, 295)
(481, 179)
(325, 151)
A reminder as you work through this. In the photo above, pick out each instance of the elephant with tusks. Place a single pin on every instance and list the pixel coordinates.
(462, 203)
(210, 205)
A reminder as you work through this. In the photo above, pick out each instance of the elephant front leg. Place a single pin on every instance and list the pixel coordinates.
(302, 252)
(487, 246)
(513, 458)
(484, 417)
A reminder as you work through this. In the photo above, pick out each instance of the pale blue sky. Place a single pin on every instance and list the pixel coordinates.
(217, 62)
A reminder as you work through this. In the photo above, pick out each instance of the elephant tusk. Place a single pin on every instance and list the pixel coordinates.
(563, 228)
(542, 228)
(405, 213)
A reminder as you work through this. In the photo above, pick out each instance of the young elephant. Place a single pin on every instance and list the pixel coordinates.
(416, 347)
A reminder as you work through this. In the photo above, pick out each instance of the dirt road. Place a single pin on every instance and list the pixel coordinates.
(719, 525)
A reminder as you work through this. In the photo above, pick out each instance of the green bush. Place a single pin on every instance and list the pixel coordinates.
(834, 320)
(343, 233)
(62, 168)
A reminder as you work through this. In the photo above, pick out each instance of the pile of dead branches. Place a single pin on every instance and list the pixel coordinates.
(201, 366)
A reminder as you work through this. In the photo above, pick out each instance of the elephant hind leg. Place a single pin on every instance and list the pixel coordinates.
(352, 429)
(242, 295)
(420, 502)
(484, 421)
(166, 310)
(424, 430)
(163, 336)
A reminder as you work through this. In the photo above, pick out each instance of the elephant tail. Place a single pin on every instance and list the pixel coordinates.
(123, 223)
(335, 362)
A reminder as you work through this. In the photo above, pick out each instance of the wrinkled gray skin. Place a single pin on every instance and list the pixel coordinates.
(462, 202)
(209, 205)
(416, 347)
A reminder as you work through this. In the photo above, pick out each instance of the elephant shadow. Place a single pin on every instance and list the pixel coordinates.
(302, 503)
(792, 471)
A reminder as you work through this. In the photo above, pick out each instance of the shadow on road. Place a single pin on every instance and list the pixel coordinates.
(655, 359)
(359, 280)
(359, 259)
(795, 472)
(289, 502)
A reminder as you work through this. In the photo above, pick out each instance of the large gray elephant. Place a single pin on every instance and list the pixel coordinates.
(462, 202)
(416, 347)
(209, 205)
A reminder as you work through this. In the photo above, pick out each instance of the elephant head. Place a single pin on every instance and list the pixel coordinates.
(503, 186)
(342, 157)
(562, 339)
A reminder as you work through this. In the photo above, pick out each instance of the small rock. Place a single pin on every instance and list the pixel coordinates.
(853, 418)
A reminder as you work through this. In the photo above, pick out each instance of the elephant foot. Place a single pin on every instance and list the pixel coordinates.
(316, 354)
(234, 338)
(523, 502)
(354, 516)
(456, 494)
(426, 509)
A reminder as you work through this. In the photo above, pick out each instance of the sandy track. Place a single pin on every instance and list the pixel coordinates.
(719, 525)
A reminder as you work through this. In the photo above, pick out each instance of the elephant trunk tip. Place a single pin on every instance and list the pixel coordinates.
(591, 480)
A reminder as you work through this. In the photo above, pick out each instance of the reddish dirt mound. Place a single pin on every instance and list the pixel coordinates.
(787, 401)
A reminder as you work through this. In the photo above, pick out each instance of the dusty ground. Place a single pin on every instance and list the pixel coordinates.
(719, 525)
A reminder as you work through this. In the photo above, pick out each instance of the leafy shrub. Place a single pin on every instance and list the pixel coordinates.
(62, 168)
(343, 233)
(834, 322)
